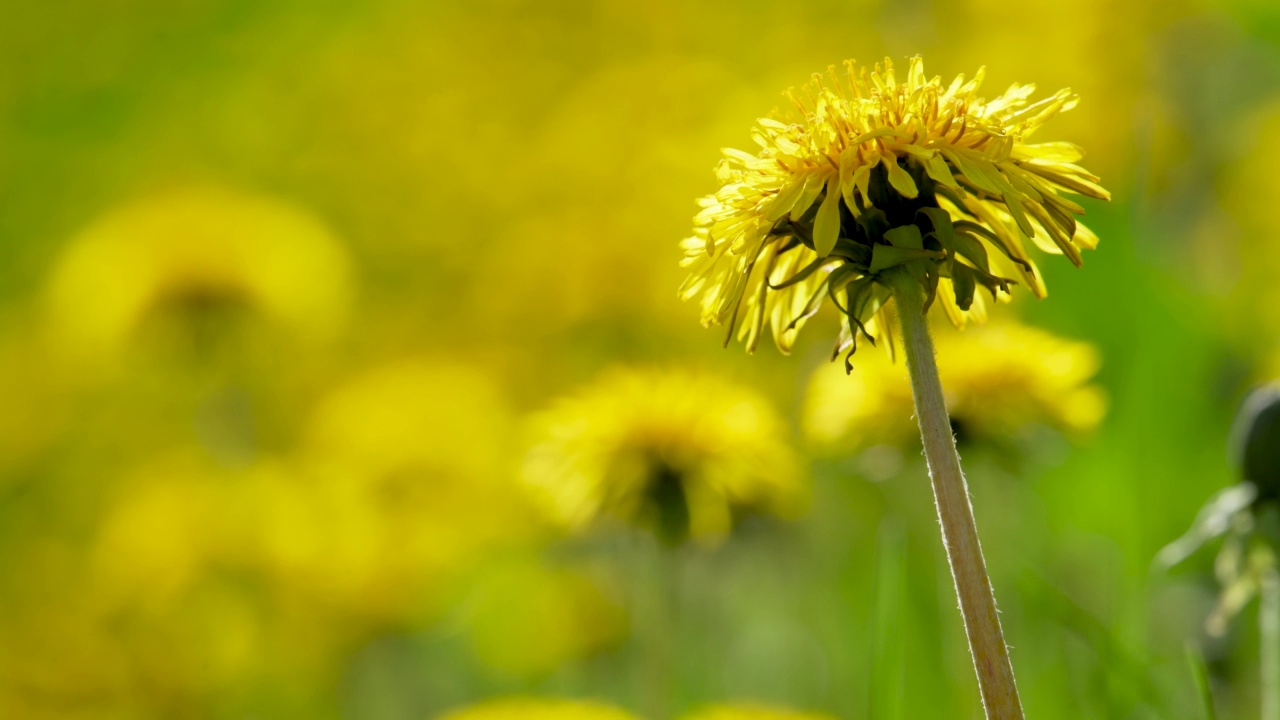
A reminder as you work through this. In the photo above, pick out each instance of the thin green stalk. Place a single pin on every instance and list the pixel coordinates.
(656, 598)
(1269, 628)
(888, 671)
(955, 514)
(1200, 674)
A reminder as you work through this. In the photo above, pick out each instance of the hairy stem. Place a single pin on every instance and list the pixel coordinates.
(955, 514)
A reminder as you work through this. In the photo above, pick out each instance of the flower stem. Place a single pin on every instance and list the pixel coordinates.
(656, 621)
(955, 514)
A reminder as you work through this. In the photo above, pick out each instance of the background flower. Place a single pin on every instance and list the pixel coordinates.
(675, 452)
(751, 712)
(1001, 381)
(530, 709)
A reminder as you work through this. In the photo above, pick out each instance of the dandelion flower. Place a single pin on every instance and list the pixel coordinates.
(753, 712)
(999, 380)
(401, 488)
(192, 253)
(677, 452)
(538, 709)
(870, 172)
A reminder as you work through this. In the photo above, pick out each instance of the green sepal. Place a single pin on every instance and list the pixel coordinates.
(941, 221)
(884, 257)
(873, 222)
(838, 280)
(905, 236)
(814, 303)
(927, 274)
(865, 297)
(963, 281)
(991, 282)
(855, 252)
(971, 249)
(958, 243)
(800, 275)
(978, 230)
(954, 195)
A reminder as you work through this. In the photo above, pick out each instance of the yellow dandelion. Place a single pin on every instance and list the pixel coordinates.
(998, 380)
(752, 711)
(190, 254)
(538, 709)
(677, 452)
(871, 173)
(401, 487)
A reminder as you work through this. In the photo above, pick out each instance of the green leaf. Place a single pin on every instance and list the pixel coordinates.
(1200, 675)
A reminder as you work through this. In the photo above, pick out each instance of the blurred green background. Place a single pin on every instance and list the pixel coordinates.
(282, 284)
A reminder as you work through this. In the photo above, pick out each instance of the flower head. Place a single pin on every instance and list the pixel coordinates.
(399, 491)
(188, 257)
(538, 709)
(673, 451)
(999, 380)
(872, 173)
(753, 712)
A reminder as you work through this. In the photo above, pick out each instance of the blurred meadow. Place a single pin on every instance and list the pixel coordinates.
(312, 314)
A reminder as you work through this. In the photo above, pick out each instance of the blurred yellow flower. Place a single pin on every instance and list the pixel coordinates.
(159, 609)
(1245, 240)
(191, 255)
(404, 483)
(34, 411)
(751, 711)
(998, 379)
(676, 452)
(168, 524)
(538, 709)
(869, 173)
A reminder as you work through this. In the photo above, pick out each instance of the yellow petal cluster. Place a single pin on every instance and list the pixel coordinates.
(753, 712)
(196, 252)
(538, 709)
(638, 445)
(868, 173)
(999, 379)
